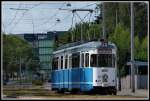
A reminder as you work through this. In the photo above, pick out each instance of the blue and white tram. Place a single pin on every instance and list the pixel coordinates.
(88, 66)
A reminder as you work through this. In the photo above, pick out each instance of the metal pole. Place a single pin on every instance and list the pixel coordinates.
(72, 27)
(89, 27)
(103, 11)
(4, 28)
(132, 49)
(116, 17)
(33, 25)
(20, 69)
(81, 32)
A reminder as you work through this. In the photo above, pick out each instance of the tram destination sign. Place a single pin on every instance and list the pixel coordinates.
(104, 51)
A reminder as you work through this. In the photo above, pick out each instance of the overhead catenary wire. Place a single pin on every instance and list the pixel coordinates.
(32, 22)
(72, 28)
(30, 9)
(23, 16)
(89, 27)
(47, 21)
(17, 22)
(57, 22)
(3, 28)
(42, 2)
(88, 5)
(82, 20)
(93, 29)
(103, 23)
(14, 16)
(10, 23)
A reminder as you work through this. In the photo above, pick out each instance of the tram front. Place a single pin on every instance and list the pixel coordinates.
(104, 64)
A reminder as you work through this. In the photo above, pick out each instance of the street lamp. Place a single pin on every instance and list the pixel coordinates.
(58, 20)
(69, 4)
(18, 9)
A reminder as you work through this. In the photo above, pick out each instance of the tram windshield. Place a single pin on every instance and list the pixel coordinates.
(102, 60)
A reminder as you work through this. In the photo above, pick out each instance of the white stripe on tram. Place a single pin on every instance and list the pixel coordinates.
(73, 83)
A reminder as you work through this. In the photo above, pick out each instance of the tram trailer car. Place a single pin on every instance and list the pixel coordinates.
(87, 67)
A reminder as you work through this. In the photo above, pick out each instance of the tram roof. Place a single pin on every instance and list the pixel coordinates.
(84, 45)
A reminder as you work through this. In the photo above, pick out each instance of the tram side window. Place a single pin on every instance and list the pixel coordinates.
(75, 60)
(55, 64)
(93, 60)
(113, 60)
(70, 61)
(82, 62)
(87, 60)
(61, 62)
(66, 61)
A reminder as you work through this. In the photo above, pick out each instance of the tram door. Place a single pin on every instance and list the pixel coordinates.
(66, 72)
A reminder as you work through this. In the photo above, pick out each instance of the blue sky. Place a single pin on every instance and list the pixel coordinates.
(41, 16)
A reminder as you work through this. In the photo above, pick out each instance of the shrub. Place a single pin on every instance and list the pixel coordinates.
(37, 82)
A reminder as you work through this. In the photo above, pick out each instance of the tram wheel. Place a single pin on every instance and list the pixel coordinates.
(74, 91)
(61, 90)
(114, 93)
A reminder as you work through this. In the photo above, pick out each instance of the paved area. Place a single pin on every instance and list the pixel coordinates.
(79, 97)
(139, 92)
(47, 86)
(123, 94)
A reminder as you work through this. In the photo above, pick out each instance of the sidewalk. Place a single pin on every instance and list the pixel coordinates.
(138, 92)
(47, 85)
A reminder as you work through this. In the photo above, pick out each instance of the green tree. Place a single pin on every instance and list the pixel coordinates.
(120, 13)
(141, 50)
(121, 38)
(137, 47)
(144, 49)
(14, 49)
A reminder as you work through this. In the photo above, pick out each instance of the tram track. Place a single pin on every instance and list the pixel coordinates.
(48, 94)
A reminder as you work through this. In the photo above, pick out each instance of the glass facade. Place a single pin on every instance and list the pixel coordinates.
(45, 66)
(45, 46)
(42, 44)
(46, 43)
(45, 51)
(45, 58)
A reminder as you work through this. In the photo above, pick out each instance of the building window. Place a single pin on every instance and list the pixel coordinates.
(75, 60)
(142, 70)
